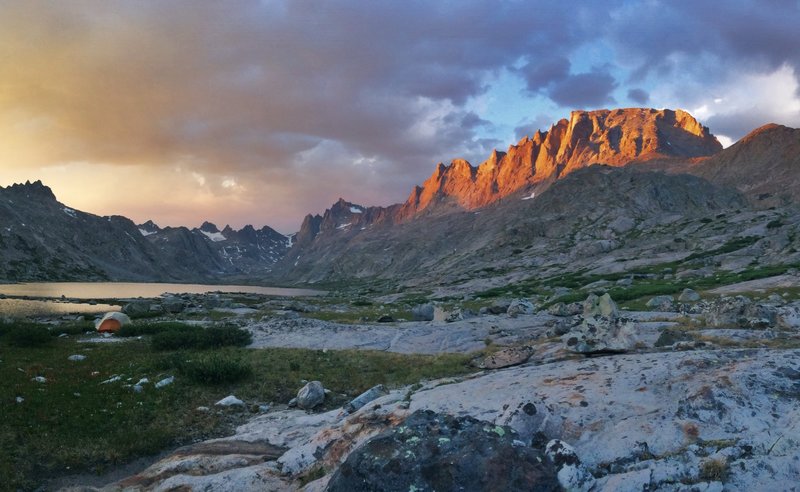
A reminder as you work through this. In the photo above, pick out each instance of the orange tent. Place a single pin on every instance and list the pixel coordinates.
(112, 322)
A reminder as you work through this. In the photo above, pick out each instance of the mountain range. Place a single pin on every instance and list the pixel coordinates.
(608, 181)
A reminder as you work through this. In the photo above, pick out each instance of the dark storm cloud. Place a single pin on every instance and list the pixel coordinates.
(719, 38)
(584, 90)
(639, 96)
(540, 73)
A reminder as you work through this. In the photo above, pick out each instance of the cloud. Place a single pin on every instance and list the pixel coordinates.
(584, 90)
(540, 73)
(638, 96)
(295, 103)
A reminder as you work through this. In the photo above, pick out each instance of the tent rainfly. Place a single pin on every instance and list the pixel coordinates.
(112, 322)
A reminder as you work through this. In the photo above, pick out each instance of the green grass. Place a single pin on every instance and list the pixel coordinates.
(72, 423)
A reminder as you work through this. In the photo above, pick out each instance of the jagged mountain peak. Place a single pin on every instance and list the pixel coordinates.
(209, 227)
(616, 137)
(36, 188)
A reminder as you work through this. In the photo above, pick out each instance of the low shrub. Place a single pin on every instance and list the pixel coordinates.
(139, 329)
(216, 369)
(223, 336)
(192, 337)
(23, 334)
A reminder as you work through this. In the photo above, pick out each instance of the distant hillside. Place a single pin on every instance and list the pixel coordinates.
(43, 239)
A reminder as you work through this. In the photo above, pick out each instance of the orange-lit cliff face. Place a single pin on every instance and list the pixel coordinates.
(615, 137)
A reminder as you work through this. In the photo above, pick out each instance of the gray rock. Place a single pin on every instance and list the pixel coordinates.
(572, 475)
(422, 312)
(136, 309)
(76, 357)
(366, 397)
(165, 382)
(506, 357)
(562, 309)
(602, 330)
(458, 314)
(662, 303)
(431, 451)
(173, 304)
(230, 401)
(740, 311)
(499, 306)
(688, 295)
(520, 306)
(310, 395)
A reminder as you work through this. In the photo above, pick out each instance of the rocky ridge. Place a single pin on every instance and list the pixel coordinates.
(43, 239)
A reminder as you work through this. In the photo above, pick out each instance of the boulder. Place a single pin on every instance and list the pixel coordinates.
(662, 303)
(741, 312)
(499, 306)
(385, 319)
(137, 309)
(172, 304)
(422, 312)
(310, 395)
(563, 309)
(366, 397)
(600, 306)
(688, 295)
(520, 306)
(431, 451)
(458, 314)
(602, 330)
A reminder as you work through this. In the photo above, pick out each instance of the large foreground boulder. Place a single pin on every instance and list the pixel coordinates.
(602, 330)
(431, 451)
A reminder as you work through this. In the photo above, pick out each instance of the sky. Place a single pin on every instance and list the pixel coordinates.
(259, 112)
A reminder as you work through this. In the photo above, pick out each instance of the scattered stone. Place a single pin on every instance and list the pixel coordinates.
(689, 295)
(662, 303)
(520, 306)
(39, 379)
(422, 312)
(572, 475)
(202, 409)
(563, 309)
(137, 388)
(292, 403)
(310, 395)
(19, 399)
(366, 397)
(431, 451)
(230, 401)
(112, 379)
(165, 382)
(506, 357)
(143, 381)
(458, 314)
(76, 357)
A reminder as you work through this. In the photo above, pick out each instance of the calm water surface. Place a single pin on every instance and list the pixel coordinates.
(111, 290)
(126, 290)
(23, 307)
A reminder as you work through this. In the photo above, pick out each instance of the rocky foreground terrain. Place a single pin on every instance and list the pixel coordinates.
(696, 393)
